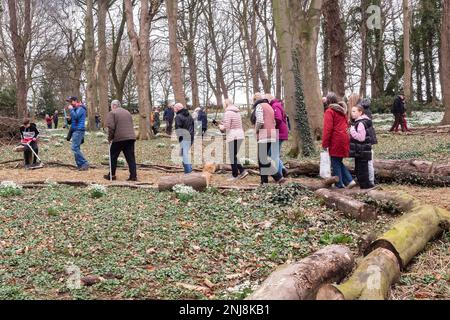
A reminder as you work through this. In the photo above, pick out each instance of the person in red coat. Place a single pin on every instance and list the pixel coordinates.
(336, 139)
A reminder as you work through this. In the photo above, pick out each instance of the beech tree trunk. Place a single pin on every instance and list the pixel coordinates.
(102, 68)
(297, 32)
(406, 51)
(175, 58)
(445, 58)
(20, 43)
(91, 89)
(140, 49)
(336, 36)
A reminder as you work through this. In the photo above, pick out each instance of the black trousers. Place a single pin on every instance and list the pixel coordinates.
(398, 122)
(169, 125)
(127, 147)
(56, 124)
(28, 154)
(266, 165)
(362, 173)
(233, 149)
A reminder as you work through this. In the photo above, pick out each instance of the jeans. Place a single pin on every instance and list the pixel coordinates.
(77, 137)
(236, 167)
(281, 165)
(268, 161)
(185, 148)
(341, 171)
(371, 171)
(128, 150)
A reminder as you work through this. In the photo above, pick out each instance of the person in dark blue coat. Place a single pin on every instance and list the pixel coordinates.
(398, 110)
(203, 118)
(168, 117)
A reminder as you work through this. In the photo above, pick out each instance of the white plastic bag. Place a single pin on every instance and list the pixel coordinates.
(325, 165)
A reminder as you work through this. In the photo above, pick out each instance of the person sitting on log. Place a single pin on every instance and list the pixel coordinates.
(361, 146)
(29, 134)
(184, 128)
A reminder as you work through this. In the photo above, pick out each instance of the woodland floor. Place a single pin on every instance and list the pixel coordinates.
(144, 244)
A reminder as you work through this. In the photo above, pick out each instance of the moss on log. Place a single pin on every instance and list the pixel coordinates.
(371, 280)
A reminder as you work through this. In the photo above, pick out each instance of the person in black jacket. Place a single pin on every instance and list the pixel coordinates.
(361, 146)
(365, 103)
(203, 118)
(398, 109)
(29, 134)
(184, 128)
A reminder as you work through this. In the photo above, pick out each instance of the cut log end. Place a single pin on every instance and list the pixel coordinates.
(329, 292)
(384, 244)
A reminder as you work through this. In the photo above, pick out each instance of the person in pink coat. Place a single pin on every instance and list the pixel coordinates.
(231, 125)
(282, 127)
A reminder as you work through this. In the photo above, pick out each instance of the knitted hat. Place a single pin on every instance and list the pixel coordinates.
(178, 107)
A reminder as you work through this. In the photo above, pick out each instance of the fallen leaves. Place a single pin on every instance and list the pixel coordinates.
(204, 290)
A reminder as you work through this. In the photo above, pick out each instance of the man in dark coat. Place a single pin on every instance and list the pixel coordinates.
(184, 128)
(398, 109)
(168, 117)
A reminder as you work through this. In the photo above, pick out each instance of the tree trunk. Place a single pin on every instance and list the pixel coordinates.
(102, 68)
(297, 33)
(349, 206)
(301, 280)
(192, 61)
(336, 36)
(363, 31)
(175, 69)
(445, 58)
(20, 43)
(278, 84)
(406, 51)
(326, 60)
(91, 89)
(371, 280)
(198, 181)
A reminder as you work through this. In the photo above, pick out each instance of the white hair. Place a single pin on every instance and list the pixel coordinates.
(116, 103)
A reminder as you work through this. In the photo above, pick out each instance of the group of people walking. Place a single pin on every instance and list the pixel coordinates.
(341, 138)
(52, 121)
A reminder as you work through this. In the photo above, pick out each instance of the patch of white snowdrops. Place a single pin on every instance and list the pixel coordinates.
(96, 191)
(10, 188)
(184, 192)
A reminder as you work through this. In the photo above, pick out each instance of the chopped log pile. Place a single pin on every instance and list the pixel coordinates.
(9, 128)
(384, 258)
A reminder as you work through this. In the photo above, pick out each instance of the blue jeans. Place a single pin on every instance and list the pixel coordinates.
(77, 137)
(281, 165)
(185, 147)
(341, 171)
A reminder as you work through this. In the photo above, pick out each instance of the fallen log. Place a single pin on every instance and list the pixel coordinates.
(350, 207)
(319, 183)
(311, 169)
(370, 281)
(382, 199)
(117, 185)
(11, 161)
(301, 280)
(412, 232)
(426, 173)
(198, 181)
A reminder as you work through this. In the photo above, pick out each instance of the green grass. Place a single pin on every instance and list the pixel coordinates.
(211, 236)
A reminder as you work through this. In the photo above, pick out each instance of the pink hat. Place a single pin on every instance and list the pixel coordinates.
(177, 107)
